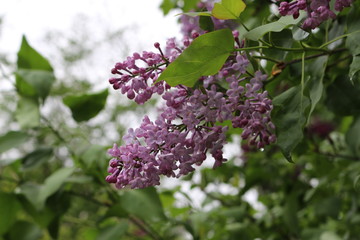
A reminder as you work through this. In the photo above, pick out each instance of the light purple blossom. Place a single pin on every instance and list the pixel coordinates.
(318, 11)
(187, 129)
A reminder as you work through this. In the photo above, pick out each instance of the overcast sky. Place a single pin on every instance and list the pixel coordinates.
(34, 17)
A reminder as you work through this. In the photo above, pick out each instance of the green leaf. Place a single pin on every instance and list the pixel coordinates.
(24, 230)
(329, 235)
(205, 56)
(328, 207)
(352, 137)
(31, 192)
(353, 24)
(354, 68)
(316, 70)
(113, 232)
(9, 206)
(290, 213)
(38, 194)
(196, 14)
(54, 182)
(143, 203)
(228, 9)
(36, 158)
(299, 34)
(343, 96)
(94, 154)
(27, 112)
(206, 23)
(42, 217)
(29, 58)
(352, 42)
(167, 5)
(190, 5)
(290, 116)
(12, 139)
(277, 26)
(116, 210)
(86, 106)
(34, 83)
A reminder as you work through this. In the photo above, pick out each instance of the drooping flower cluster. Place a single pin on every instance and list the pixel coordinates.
(187, 130)
(318, 10)
(138, 73)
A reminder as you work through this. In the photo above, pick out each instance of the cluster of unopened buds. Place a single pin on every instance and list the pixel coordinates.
(318, 11)
(189, 127)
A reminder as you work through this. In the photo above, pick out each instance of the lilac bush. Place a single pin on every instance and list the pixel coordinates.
(193, 122)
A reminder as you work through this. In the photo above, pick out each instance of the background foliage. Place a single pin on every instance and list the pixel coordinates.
(54, 161)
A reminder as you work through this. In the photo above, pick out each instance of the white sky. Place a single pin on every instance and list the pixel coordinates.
(34, 17)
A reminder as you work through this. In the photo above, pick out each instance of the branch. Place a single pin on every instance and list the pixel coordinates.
(339, 156)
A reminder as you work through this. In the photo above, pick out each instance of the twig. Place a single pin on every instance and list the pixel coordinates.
(339, 156)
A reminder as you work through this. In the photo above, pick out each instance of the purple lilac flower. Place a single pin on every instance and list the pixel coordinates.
(186, 131)
(137, 74)
(318, 10)
(340, 4)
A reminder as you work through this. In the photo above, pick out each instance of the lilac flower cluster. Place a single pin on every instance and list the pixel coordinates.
(186, 130)
(318, 10)
(138, 73)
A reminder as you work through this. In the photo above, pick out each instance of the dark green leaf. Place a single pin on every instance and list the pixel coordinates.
(353, 43)
(86, 106)
(206, 23)
(53, 228)
(9, 207)
(23, 230)
(352, 137)
(113, 232)
(117, 210)
(27, 112)
(205, 56)
(316, 70)
(36, 158)
(143, 203)
(290, 213)
(277, 26)
(289, 116)
(328, 207)
(343, 96)
(34, 83)
(355, 68)
(29, 58)
(12, 139)
(38, 194)
(41, 217)
(353, 24)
